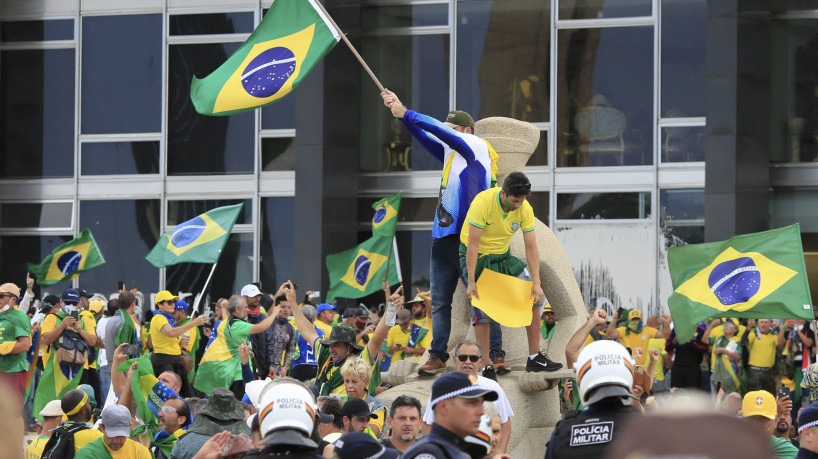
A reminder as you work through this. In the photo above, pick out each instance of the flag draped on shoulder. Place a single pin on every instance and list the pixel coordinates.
(293, 36)
(385, 220)
(198, 240)
(74, 257)
(57, 379)
(221, 362)
(148, 393)
(760, 275)
(359, 271)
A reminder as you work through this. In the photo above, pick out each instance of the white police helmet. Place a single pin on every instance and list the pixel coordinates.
(286, 406)
(480, 442)
(604, 369)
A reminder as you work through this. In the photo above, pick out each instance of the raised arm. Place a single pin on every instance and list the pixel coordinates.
(382, 330)
(599, 316)
(432, 145)
(612, 332)
(267, 322)
(305, 327)
(175, 332)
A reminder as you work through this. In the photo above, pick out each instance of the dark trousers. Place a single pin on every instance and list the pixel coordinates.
(173, 363)
(760, 379)
(689, 377)
(91, 377)
(304, 372)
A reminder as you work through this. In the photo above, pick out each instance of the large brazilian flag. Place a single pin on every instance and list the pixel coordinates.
(293, 36)
(72, 258)
(198, 240)
(759, 275)
(360, 271)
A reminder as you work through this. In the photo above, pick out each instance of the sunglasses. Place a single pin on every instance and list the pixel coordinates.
(471, 358)
(167, 410)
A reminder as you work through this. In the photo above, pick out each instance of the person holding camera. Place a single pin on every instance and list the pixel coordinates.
(168, 339)
(64, 334)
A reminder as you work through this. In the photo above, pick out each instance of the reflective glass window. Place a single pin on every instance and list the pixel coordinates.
(421, 15)
(684, 48)
(281, 114)
(182, 211)
(235, 270)
(570, 9)
(125, 231)
(121, 74)
(540, 203)
(41, 215)
(109, 158)
(56, 29)
(278, 154)
(794, 206)
(682, 216)
(540, 155)
(421, 79)
(682, 143)
(200, 144)
(276, 240)
(211, 24)
(37, 113)
(411, 209)
(503, 58)
(17, 251)
(596, 206)
(605, 97)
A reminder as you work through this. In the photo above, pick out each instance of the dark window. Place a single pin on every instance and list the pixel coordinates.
(595, 206)
(607, 9)
(182, 211)
(17, 251)
(57, 29)
(382, 17)
(278, 154)
(211, 24)
(682, 143)
(276, 240)
(280, 114)
(36, 215)
(684, 48)
(120, 158)
(235, 270)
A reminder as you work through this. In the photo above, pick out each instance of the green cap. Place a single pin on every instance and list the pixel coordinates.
(460, 118)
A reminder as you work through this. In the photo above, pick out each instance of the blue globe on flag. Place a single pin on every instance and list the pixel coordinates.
(735, 281)
(379, 214)
(267, 73)
(188, 232)
(69, 262)
(362, 264)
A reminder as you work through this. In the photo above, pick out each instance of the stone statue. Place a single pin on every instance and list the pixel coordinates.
(536, 408)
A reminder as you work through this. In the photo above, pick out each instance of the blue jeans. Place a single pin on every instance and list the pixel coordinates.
(105, 381)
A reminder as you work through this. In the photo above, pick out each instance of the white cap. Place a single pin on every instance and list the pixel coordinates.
(250, 290)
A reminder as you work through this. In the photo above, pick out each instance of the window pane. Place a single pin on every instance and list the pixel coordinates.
(37, 113)
(795, 206)
(122, 74)
(125, 231)
(382, 17)
(684, 45)
(278, 154)
(235, 270)
(120, 158)
(503, 58)
(204, 144)
(182, 211)
(606, 9)
(59, 29)
(540, 155)
(411, 209)
(605, 103)
(17, 251)
(683, 143)
(211, 24)
(421, 79)
(281, 114)
(36, 215)
(276, 241)
(594, 206)
(682, 204)
(541, 205)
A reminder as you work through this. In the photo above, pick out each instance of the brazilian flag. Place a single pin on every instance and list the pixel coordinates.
(385, 219)
(357, 272)
(759, 275)
(74, 257)
(198, 240)
(293, 36)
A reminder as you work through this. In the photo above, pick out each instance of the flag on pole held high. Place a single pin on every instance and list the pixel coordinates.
(359, 271)
(74, 257)
(293, 36)
(385, 220)
(759, 275)
(198, 240)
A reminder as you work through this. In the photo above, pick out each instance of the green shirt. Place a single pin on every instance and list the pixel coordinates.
(13, 324)
(782, 448)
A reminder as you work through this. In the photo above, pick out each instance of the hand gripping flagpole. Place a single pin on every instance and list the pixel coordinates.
(351, 48)
(204, 289)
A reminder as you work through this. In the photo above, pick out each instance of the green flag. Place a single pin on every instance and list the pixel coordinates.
(57, 379)
(148, 393)
(358, 272)
(198, 240)
(760, 275)
(293, 36)
(385, 219)
(74, 257)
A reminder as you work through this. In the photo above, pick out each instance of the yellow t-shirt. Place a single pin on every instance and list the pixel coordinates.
(49, 323)
(83, 437)
(718, 331)
(400, 336)
(633, 340)
(194, 335)
(425, 322)
(498, 226)
(89, 324)
(324, 327)
(163, 344)
(36, 447)
(762, 350)
(658, 343)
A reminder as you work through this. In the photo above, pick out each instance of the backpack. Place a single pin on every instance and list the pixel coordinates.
(61, 443)
(71, 349)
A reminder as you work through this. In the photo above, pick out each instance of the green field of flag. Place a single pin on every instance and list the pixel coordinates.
(360, 271)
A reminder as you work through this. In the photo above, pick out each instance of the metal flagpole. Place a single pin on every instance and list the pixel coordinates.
(204, 289)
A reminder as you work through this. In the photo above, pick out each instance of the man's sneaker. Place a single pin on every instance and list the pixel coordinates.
(500, 365)
(541, 363)
(488, 372)
(432, 367)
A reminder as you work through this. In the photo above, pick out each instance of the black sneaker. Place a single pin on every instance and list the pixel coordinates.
(541, 363)
(488, 372)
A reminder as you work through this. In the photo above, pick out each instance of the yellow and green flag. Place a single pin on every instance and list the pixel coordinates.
(359, 271)
(293, 36)
(221, 362)
(57, 379)
(385, 220)
(759, 275)
(74, 257)
(198, 240)
(148, 392)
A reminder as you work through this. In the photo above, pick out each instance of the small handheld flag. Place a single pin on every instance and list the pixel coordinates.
(74, 257)
(385, 220)
(198, 240)
(760, 275)
(359, 271)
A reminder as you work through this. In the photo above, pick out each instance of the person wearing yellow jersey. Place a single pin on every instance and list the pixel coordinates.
(325, 318)
(52, 415)
(90, 311)
(761, 344)
(659, 383)
(115, 424)
(407, 340)
(78, 413)
(166, 339)
(635, 334)
(725, 357)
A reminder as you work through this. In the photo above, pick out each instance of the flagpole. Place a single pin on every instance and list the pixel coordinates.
(204, 289)
(388, 260)
(349, 45)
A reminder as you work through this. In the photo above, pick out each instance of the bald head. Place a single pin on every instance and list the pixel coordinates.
(171, 380)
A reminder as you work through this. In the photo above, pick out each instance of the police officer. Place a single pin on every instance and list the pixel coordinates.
(457, 401)
(605, 375)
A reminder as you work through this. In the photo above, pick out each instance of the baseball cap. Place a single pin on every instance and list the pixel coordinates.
(808, 417)
(52, 408)
(117, 421)
(362, 313)
(634, 314)
(96, 305)
(759, 403)
(71, 295)
(8, 287)
(49, 301)
(460, 118)
(250, 290)
(459, 384)
(165, 295)
(325, 307)
(181, 305)
(355, 445)
(357, 408)
(84, 293)
(547, 308)
(90, 391)
(403, 316)
(350, 312)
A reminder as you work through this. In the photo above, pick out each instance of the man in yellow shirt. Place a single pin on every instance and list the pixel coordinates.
(635, 334)
(406, 339)
(421, 307)
(325, 318)
(761, 344)
(89, 312)
(52, 415)
(659, 383)
(78, 412)
(167, 350)
(115, 443)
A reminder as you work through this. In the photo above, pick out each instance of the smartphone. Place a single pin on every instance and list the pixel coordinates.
(75, 314)
(132, 349)
(784, 391)
(120, 286)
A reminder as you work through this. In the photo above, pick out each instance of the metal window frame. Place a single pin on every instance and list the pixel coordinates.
(71, 229)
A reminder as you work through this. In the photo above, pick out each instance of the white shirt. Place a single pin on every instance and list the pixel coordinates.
(102, 359)
(503, 407)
